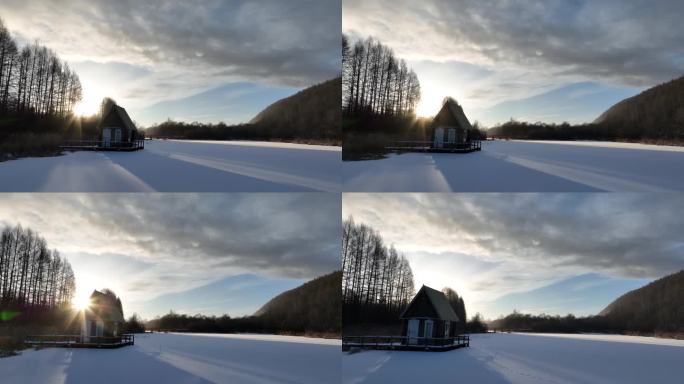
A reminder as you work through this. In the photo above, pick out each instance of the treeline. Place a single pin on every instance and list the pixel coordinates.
(520, 130)
(32, 277)
(34, 80)
(205, 131)
(175, 322)
(377, 282)
(374, 81)
(519, 322)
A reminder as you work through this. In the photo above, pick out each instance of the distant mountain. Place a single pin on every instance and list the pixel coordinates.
(315, 306)
(311, 113)
(657, 113)
(657, 306)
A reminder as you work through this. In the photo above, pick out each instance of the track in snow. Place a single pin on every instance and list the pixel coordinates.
(181, 166)
(524, 166)
(526, 359)
(183, 358)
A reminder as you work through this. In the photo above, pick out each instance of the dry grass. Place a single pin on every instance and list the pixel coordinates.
(30, 144)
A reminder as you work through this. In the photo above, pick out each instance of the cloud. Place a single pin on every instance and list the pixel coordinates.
(174, 242)
(637, 43)
(142, 53)
(525, 241)
(293, 42)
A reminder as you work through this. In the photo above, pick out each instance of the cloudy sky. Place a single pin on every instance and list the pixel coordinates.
(193, 253)
(536, 60)
(196, 60)
(537, 253)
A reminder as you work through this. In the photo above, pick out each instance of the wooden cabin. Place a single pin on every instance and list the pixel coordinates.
(451, 128)
(429, 316)
(103, 318)
(116, 129)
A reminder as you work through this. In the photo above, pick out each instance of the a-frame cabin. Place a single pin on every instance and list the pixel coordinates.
(429, 316)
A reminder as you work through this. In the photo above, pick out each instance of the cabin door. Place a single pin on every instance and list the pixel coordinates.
(117, 135)
(428, 331)
(439, 138)
(452, 136)
(412, 331)
(106, 137)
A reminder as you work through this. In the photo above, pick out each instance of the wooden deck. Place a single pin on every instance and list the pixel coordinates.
(99, 146)
(74, 341)
(403, 343)
(428, 146)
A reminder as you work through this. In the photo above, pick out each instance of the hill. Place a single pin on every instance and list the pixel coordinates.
(657, 306)
(657, 113)
(309, 116)
(315, 306)
(311, 113)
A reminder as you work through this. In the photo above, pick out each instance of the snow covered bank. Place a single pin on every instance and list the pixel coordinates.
(181, 166)
(528, 359)
(523, 166)
(183, 358)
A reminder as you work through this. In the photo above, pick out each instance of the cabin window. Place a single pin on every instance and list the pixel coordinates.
(446, 328)
(428, 329)
(452, 136)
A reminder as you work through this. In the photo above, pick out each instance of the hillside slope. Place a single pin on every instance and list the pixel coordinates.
(657, 113)
(311, 113)
(659, 305)
(314, 306)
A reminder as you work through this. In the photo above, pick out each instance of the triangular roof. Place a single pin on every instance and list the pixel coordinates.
(453, 112)
(439, 303)
(122, 114)
(107, 307)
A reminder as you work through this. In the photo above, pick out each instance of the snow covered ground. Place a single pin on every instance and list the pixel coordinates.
(181, 166)
(525, 166)
(183, 358)
(528, 359)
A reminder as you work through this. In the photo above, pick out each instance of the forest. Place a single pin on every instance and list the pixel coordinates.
(377, 281)
(313, 309)
(38, 92)
(32, 277)
(379, 97)
(375, 81)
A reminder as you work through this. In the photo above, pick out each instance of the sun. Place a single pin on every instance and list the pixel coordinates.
(88, 106)
(81, 302)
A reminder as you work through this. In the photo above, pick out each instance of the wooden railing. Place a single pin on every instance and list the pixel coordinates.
(388, 341)
(99, 144)
(76, 340)
(473, 145)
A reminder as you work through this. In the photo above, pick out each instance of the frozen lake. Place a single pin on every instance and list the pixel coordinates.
(524, 166)
(181, 166)
(183, 358)
(526, 359)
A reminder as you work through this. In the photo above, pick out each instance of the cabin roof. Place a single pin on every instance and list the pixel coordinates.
(125, 118)
(106, 307)
(439, 303)
(451, 111)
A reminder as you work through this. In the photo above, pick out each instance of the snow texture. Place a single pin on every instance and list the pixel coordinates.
(181, 166)
(183, 358)
(525, 166)
(526, 359)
